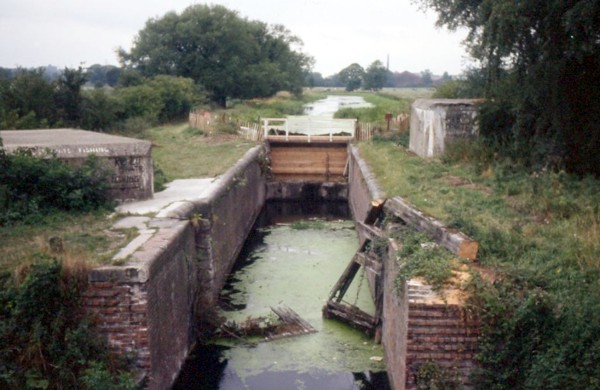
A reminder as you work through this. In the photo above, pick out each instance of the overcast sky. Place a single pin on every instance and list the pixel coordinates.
(335, 32)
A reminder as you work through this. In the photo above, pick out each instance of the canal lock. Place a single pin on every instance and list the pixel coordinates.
(292, 258)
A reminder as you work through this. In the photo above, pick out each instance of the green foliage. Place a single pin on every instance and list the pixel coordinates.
(539, 75)
(46, 341)
(100, 75)
(67, 96)
(32, 185)
(538, 338)
(465, 151)
(421, 257)
(160, 179)
(99, 110)
(539, 234)
(140, 101)
(27, 101)
(352, 76)
(230, 56)
(375, 76)
(309, 224)
(431, 376)
(177, 94)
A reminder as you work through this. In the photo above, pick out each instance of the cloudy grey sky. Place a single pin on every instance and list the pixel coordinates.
(335, 32)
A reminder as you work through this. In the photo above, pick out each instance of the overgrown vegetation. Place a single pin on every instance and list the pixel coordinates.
(46, 341)
(538, 73)
(29, 101)
(420, 257)
(431, 376)
(539, 233)
(35, 185)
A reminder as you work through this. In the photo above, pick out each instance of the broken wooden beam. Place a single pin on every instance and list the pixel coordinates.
(374, 211)
(294, 324)
(352, 316)
(370, 232)
(370, 263)
(345, 280)
(451, 239)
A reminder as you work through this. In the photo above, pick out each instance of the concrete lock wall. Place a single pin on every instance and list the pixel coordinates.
(128, 160)
(413, 332)
(436, 122)
(149, 307)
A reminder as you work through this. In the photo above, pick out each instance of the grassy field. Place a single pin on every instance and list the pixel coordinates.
(182, 152)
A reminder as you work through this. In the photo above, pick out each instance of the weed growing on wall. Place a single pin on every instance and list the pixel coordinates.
(423, 258)
(431, 376)
(46, 341)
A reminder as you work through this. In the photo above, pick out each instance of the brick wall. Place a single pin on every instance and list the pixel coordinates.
(443, 334)
(120, 314)
(149, 308)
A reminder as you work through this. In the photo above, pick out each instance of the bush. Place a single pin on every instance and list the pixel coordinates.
(32, 185)
(46, 341)
(421, 257)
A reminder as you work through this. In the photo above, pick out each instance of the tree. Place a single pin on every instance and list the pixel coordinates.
(28, 101)
(426, 78)
(67, 95)
(177, 94)
(100, 75)
(230, 56)
(376, 76)
(352, 76)
(540, 60)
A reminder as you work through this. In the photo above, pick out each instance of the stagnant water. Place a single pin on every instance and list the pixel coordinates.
(291, 260)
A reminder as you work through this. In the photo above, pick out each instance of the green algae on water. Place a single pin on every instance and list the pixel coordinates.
(297, 268)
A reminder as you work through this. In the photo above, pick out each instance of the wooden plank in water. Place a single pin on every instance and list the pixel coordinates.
(294, 324)
(351, 315)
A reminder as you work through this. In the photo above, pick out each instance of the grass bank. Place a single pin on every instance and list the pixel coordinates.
(539, 233)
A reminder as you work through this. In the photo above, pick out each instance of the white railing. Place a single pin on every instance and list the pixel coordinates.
(309, 126)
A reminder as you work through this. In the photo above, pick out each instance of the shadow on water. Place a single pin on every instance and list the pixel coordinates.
(216, 365)
(206, 369)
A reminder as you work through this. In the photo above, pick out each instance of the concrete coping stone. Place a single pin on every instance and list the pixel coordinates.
(158, 233)
(74, 143)
(374, 189)
(430, 103)
(141, 259)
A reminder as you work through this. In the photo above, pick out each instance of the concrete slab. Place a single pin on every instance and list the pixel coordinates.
(132, 222)
(74, 143)
(128, 160)
(176, 191)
